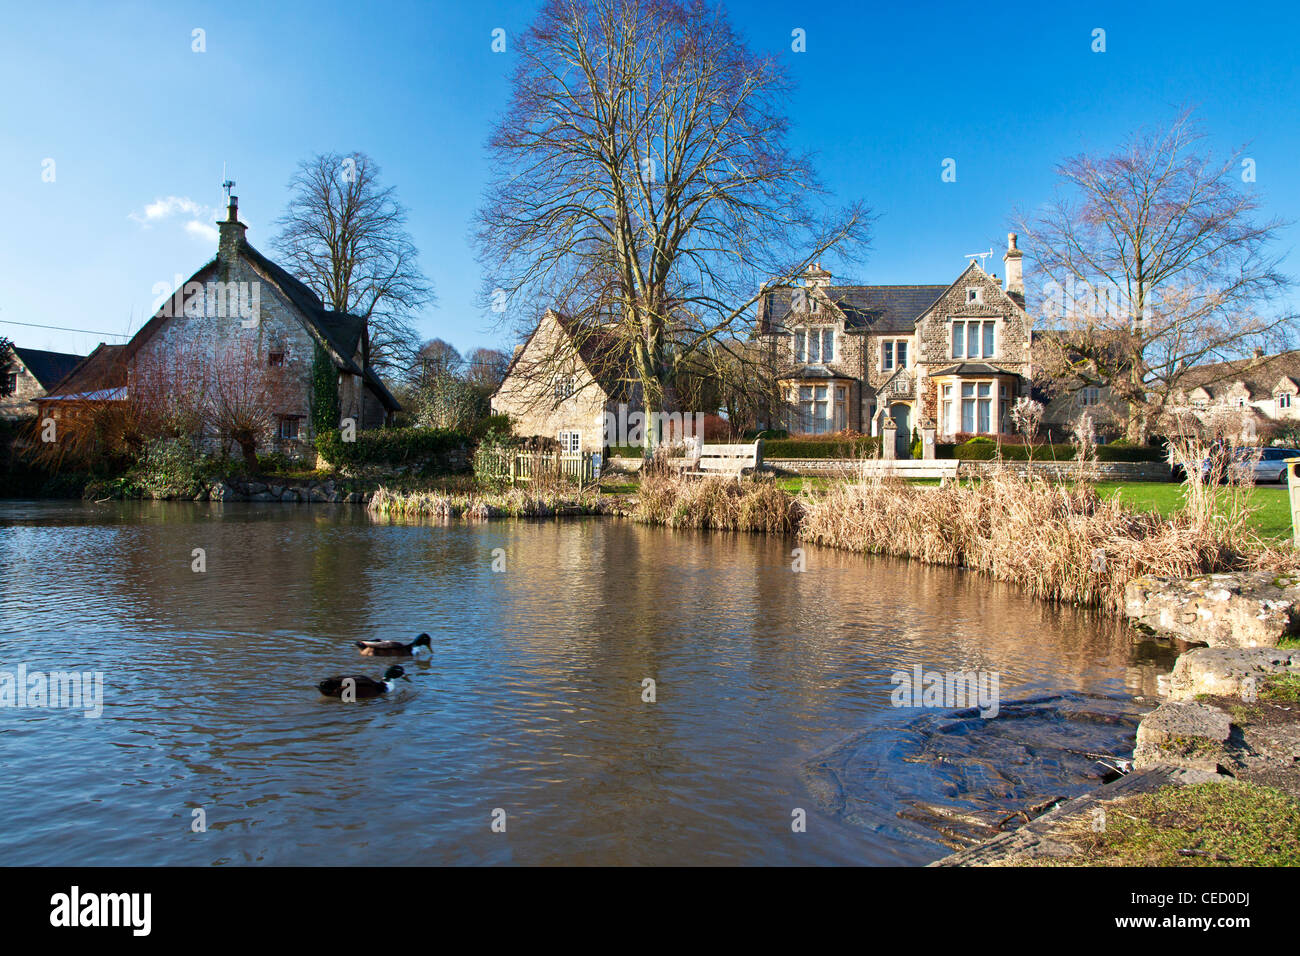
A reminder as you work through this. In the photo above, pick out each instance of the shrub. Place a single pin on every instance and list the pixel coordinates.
(169, 468)
(491, 425)
(859, 447)
(418, 447)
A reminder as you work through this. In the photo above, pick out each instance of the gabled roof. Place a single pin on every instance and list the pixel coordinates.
(339, 332)
(48, 368)
(599, 349)
(868, 308)
(1259, 375)
(103, 369)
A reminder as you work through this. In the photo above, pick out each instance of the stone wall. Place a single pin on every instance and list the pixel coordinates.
(1106, 470)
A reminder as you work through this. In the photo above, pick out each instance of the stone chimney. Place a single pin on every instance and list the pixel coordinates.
(815, 277)
(232, 234)
(1015, 270)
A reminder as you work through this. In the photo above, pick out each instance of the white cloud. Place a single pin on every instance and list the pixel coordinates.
(198, 216)
(202, 230)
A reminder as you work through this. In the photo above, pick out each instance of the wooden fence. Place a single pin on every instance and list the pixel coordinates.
(582, 467)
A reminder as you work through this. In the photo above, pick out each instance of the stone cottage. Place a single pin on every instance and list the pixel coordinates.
(562, 381)
(950, 357)
(28, 375)
(1266, 387)
(243, 304)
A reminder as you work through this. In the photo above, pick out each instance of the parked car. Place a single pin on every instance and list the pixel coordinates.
(1266, 464)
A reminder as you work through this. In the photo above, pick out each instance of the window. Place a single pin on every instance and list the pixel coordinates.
(563, 387)
(1089, 396)
(289, 428)
(11, 382)
(570, 442)
(893, 355)
(1283, 399)
(972, 339)
(276, 358)
(822, 409)
(945, 414)
(973, 296)
(977, 407)
(814, 345)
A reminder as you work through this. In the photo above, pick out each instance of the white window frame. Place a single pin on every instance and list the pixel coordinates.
(286, 420)
(803, 340)
(979, 326)
(1283, 399)
(890, 347)
(564, 387)
(570, 441)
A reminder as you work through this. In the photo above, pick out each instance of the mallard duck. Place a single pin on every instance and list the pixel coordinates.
(393, 648)
(364, 686)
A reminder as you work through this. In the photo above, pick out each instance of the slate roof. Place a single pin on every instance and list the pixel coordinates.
(100, 370)
(1260, 375)
(867, 308)
(49, 368)
(971, 368)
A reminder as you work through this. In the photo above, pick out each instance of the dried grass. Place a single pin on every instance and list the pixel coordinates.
(511, 503)
(722, 504)
(1058, 541)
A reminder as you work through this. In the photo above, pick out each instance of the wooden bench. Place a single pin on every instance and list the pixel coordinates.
(738, 460)
(911, 467)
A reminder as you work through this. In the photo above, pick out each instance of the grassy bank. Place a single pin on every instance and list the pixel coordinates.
(510, 503)
(1207, 824)
(1063, 542)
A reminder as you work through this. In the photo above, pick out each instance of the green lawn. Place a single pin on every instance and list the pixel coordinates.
(1272, 517)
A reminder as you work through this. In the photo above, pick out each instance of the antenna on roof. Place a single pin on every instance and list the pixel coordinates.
(982, 256)
(226, 184)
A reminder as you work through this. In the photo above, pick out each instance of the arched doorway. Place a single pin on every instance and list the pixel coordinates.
(902, 416)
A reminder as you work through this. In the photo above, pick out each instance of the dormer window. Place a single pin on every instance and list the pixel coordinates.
(1284, 400)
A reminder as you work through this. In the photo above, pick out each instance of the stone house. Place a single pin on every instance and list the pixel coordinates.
(28, 375)
(953, 358)
(562, 381)
(242, 304)
(1265, 386)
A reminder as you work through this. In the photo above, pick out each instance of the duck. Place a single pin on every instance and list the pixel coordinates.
(364, 686)
(393, 648)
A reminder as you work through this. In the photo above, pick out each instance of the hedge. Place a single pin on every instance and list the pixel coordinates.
(988, 451)
(832, 448)
(389, 446)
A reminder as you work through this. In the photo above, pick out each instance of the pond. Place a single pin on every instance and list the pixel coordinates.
(771, 694)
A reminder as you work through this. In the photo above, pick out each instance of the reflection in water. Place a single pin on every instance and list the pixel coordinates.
(530, 703)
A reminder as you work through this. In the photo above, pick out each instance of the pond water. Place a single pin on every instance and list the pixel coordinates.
(772, 693)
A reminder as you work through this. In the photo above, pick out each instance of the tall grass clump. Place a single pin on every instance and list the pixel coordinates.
(1059, 541)
(722, 504)
(519, 502)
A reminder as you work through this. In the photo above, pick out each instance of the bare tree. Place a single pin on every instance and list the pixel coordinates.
(644, 187)
(1152, 261)
(245, 395)
(485, 368)
(435, 358)
(345, 235)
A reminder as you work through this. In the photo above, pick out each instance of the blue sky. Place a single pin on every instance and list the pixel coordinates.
(138, 126)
